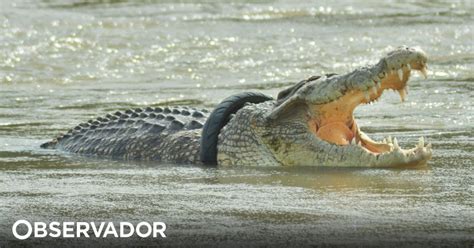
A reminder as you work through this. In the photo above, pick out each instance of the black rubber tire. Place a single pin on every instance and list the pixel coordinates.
(219, 118)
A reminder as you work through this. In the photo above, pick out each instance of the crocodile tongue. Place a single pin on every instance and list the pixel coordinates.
(336, 132)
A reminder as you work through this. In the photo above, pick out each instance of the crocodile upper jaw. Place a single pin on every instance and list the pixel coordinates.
(334, 122)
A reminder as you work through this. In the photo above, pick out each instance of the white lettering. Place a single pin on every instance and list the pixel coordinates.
(55, 231)
(40, 230)
(139, 231)
(28, 233)
(94, 228)
(82, 228)
(110, 230)
(161, 230)
(68, 229)
(122, 229)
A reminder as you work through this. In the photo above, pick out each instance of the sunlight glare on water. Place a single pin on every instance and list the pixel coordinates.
(64, 62)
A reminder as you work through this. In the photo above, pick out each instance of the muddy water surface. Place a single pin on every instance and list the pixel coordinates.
(63, 62)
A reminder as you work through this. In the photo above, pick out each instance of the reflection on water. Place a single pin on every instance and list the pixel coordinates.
(69, 61)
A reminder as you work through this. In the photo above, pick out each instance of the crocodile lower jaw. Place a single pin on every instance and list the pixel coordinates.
(335, 123)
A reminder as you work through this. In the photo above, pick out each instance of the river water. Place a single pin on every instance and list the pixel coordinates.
(63, 62)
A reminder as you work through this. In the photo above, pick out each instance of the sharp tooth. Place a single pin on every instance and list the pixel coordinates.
(403, 94)
(423, 72)
(384, 141)
(429, 146)
(400, 74)
(378, 84)
(367, 97)
(374, 90)
(409, 66)
(395, 143)
(353, 141)
(359, 143)
(389, 139)
(421, 142)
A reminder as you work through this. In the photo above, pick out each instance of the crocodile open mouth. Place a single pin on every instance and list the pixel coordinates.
(334, 122)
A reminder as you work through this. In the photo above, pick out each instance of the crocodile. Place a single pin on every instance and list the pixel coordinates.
(310, 123)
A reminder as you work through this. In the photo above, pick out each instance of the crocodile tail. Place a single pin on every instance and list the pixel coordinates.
(50, 144)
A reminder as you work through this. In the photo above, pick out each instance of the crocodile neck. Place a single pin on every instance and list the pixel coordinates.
(239, 143)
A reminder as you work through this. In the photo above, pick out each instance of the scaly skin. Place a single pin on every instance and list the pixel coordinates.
(314, 125)
(310, 124)
(158, 134)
